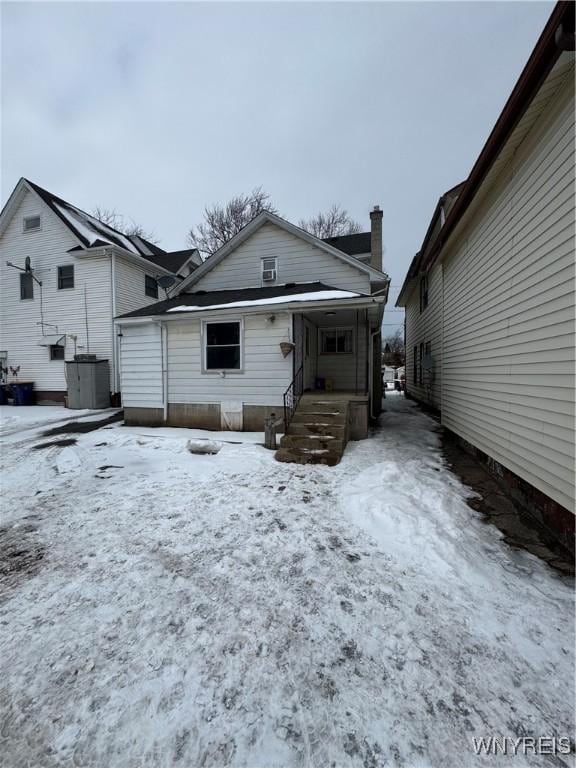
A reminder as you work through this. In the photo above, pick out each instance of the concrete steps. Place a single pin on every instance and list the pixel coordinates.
(317, 433)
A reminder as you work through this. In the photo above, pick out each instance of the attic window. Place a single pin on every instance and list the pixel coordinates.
(31, 223)
(269, 269)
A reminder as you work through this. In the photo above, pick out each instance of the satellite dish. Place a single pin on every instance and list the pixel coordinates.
(165, 281)
(27, 265)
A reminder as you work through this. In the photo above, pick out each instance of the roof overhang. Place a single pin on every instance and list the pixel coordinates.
(265, 217)
(357, 302)
(539, 66)
(115, 250)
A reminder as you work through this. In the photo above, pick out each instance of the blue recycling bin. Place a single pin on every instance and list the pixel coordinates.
(23, 393)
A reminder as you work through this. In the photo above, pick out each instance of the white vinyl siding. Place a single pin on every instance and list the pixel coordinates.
(131, 286)
(509, 288)
(265, 375)
(141, 369)
(422, 328)
(297, 260)
(68, 310)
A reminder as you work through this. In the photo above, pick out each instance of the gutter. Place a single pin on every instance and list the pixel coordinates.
(164, 352)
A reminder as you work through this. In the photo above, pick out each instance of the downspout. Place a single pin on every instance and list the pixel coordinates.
(371, 372)
(164, 351)
(114, 337)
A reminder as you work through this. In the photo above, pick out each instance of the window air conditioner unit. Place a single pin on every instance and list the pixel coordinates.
(268, 275)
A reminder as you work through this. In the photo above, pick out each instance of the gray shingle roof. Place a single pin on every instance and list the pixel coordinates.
(360, 242)
(214, 298)
(94, 234)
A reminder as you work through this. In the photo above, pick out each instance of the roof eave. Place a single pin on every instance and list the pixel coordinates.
(360, 302)
(541, 61)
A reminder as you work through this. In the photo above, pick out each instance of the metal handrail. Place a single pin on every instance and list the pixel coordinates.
(292, 396)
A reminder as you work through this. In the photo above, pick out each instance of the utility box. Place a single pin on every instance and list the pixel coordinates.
(88, 382)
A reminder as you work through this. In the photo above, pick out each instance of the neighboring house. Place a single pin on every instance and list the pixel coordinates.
(80, 274)
(274, 313)
(490, 297)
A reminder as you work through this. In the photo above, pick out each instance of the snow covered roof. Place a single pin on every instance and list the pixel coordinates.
(92, 233)
(247, 297)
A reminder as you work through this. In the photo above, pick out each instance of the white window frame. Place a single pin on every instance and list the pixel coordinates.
(263, 269)
(218, 371)
(32, 229)
(330, 329)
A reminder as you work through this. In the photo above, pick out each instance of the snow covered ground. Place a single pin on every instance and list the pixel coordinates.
(161, 608)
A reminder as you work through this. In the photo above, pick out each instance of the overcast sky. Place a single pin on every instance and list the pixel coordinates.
(157, 109)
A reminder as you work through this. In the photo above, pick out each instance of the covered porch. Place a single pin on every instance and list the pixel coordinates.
(338, 352)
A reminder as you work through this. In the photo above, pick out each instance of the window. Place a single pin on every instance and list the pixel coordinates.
(415, 365)
(31, 223)
(421, 360)
(336, 341)
(269, 269)
(56, 352)
(423, 292)
(66, 277)
(150, 287)
(222, 345)
(26, 286)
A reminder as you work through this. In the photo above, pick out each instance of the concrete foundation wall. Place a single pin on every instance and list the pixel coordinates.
(143, 417)
(197, 415)
(556, 518)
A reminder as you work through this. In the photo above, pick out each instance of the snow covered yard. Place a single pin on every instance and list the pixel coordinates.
(160, 608)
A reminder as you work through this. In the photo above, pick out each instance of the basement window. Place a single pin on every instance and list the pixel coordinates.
(222, 346)
(336, 341)
(26, 286)
(31, 223)
(150, 287)
(56, 352)
(66, 277)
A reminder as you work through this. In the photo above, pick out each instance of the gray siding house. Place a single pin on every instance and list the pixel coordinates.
(274, 313)
(490, 297)
(63, 277)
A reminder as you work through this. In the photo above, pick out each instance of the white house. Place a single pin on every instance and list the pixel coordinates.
(490, 297)
(274, 313)
(64, 276)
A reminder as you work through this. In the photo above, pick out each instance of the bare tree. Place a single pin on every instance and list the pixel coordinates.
(334, 222)
(394, 351)
(222, 222)
(112, 218)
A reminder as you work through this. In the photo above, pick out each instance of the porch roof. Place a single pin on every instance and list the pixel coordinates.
(246, 298)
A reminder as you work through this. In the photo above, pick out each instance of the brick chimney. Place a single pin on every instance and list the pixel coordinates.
(376, 239)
